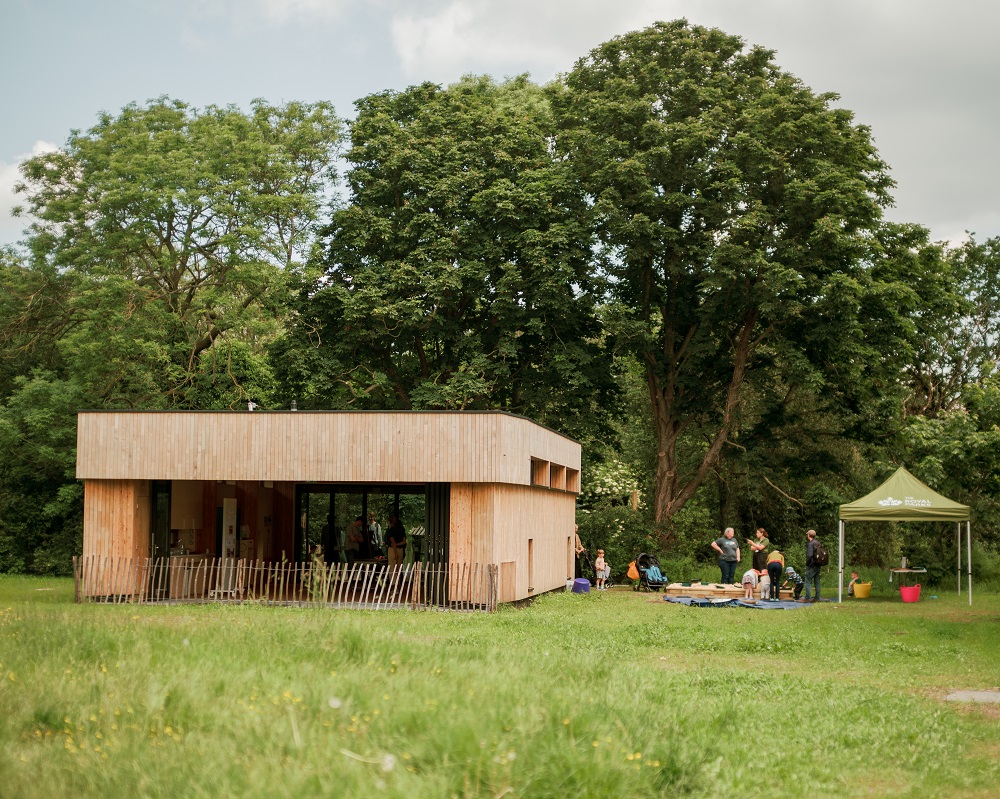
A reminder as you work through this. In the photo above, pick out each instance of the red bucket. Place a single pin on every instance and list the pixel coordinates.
(909, 593)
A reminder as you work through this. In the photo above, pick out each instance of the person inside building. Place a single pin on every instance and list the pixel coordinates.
(395, 538)
(375, 537)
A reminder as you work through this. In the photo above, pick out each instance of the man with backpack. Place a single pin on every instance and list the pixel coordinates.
(816, 558)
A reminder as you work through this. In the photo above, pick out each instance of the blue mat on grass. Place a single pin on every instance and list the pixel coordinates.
(705, 602)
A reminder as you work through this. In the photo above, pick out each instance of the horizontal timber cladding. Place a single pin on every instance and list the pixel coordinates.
(322, 446)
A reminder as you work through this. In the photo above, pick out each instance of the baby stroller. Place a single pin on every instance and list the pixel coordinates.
(650, 576)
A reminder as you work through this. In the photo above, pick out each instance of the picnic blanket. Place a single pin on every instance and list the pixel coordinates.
(721, 602)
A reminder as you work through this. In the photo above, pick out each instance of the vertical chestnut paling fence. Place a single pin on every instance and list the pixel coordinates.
(367, 586)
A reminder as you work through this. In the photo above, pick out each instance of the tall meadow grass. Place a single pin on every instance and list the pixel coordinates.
(611, 694)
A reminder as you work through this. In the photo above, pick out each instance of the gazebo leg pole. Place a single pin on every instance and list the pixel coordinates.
(959, 570)
(968, 555)
(840, 565)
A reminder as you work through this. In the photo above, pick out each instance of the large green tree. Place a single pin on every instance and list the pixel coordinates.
(457, 274)
(41, 503)
(175, 228)
(958, 337)
(740, 217)
(160, 246)
(31, 317)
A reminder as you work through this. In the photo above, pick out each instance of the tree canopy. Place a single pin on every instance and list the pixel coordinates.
(174, 228)
(160, 245)
(457, 274)
(738, 213)
(675, 252)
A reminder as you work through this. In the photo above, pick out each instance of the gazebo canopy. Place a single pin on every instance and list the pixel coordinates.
(903, 498)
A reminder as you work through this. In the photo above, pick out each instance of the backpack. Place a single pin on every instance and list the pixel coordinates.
(820, 556)
(633, 572)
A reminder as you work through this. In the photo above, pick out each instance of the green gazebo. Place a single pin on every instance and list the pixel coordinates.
(903, 498)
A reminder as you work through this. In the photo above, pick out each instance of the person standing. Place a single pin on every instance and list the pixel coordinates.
(759, 549)
(601, 569)
(395, 537)
(332, 540)
(812, 567)
(579, 550)
(354, 540)
(375, 534)
(729, 555)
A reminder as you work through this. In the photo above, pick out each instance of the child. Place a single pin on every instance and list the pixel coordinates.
(749, 584)
(850, 585)
(765, 585)
(792, 576)
(601, 569)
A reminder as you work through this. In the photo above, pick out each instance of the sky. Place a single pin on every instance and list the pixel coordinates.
(921, 74)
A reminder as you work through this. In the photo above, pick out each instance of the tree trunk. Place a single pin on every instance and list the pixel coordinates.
(673, 490)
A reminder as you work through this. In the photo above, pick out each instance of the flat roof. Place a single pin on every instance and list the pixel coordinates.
(319, 446)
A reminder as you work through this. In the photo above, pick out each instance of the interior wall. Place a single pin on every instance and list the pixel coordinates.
(185, 505)
(265, 523)
(210, 500)
(283, 532)
(198, 503)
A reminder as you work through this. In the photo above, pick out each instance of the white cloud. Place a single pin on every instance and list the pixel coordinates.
(250, 13)
(512, 36)
(11, 228)
(922, 79)
(284, 10)
(199, 31)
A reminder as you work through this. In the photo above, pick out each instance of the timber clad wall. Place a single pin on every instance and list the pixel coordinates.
(493, 524)
(119, 512)
(344, 447)
(506, 486)
(116, 521)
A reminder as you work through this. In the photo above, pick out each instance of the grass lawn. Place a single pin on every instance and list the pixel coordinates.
(611, 694)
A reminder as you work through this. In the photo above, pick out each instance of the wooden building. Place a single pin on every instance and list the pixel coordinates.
(472, 487)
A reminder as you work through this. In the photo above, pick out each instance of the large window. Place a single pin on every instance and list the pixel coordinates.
(327, 516)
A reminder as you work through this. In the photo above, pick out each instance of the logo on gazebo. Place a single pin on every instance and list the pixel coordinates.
(890, 502)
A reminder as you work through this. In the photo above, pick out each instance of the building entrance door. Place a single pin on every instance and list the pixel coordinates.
(159, 536)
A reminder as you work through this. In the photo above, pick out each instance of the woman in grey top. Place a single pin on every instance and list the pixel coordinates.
(729, 554)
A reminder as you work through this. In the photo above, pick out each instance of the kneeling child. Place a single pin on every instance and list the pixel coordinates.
(793, 577)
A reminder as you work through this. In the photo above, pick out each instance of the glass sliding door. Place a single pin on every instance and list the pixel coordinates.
(159, 537)
(340, 520)
(314, 529)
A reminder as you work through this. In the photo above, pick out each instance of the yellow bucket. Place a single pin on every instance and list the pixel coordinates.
(862, 590)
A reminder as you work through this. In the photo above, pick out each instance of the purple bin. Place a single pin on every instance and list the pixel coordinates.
(581, 585)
